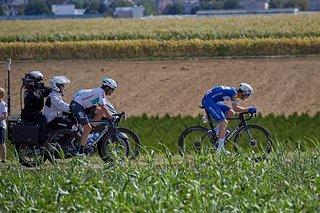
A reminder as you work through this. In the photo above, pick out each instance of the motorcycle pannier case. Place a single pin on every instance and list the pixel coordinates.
(25, 133)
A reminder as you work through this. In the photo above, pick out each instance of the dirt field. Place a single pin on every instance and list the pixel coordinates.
(282, 85)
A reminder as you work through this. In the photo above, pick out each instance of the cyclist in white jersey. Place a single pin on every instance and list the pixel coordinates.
(86, 101)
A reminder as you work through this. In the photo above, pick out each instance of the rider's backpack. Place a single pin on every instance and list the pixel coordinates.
(25, 133)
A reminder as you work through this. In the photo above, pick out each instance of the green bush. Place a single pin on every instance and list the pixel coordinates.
(290, 130)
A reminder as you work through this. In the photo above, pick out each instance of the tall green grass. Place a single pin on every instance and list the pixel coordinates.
(161, 181)
(290, 130)
(287, 181)
(158, 132)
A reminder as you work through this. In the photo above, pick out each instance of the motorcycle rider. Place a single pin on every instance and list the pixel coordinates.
(55, 106)
(34, 95)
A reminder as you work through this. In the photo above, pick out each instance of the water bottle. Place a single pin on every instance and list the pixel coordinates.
(204, 119)
(95, 136)
(90, 139)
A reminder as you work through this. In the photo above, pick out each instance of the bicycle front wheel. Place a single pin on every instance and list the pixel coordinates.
(115, 146)
(133, 141)
(253, 141)
(196, 140)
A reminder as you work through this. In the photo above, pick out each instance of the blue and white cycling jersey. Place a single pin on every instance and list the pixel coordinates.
(90, 97)
(223, 93)
(213, 101)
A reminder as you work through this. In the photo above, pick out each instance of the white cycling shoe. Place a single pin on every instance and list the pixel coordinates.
(223, 151)
(80, 154)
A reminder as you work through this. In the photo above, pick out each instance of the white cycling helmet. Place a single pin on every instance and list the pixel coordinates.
(57, 81)
(246, 88)
(35, 75)
(109, 82)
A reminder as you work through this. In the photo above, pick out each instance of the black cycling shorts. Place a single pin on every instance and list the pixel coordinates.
(79, 112)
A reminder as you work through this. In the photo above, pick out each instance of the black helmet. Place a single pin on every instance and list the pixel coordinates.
(32, 79)
(35, 75)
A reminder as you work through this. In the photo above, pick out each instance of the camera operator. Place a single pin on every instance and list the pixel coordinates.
(34, 95)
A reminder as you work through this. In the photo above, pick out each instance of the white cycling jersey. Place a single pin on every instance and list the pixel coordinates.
(90, 97)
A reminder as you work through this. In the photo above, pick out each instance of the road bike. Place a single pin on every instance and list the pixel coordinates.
(249, 139)
(113, 142)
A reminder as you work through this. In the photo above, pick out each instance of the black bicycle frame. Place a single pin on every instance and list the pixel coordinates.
(108, 127)
(243, 123)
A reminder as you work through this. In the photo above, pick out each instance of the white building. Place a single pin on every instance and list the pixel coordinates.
(129, 12)
(66, 9)
(254, 4)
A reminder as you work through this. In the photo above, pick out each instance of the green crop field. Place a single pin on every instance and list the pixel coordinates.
(277, 26)
(161, 38)
(287, 181)
(161, 180)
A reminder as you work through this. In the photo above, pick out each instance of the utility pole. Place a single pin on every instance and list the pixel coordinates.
(8, 87)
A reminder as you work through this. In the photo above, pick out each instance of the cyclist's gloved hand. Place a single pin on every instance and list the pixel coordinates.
(123, 115)
(252, 110)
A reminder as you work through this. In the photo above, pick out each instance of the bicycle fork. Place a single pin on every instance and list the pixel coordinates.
(252, 141)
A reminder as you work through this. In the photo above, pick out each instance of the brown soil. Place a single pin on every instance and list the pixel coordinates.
(282, 85)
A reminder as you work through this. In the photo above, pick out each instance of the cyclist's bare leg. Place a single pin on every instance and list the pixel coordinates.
(101, 112)
(222, 132)
(230, 114)
(98, 114)
(223, 128)
(87, 129)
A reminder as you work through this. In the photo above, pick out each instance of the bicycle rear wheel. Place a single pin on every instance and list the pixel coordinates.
(30, 155)
(114, 146)
(196, 140)
(253, 141)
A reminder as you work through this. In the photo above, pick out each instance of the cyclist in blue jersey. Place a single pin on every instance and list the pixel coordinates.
(213, 103)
